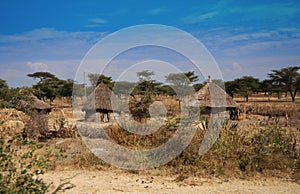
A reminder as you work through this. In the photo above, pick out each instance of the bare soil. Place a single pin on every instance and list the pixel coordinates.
(115, 181)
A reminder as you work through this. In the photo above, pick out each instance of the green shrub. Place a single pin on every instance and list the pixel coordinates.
(20, 167)
(19, 171)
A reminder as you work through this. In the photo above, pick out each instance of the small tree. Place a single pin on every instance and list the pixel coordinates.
(46, 86)
(246, 85)
(42, 76)
(142, 95)
(181, 83)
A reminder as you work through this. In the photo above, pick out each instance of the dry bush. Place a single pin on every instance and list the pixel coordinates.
(239, 152)
(22, 163)
(236, 152)
(62, 129)
(37, 128)
(127, 139)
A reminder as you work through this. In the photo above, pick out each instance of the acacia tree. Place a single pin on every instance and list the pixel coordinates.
(245, 86)
(42, 76)
(266, 86)
(142, 94)
(287, 78)
(181, 83)
(46, 86)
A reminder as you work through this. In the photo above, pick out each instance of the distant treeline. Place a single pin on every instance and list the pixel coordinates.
(49, 87)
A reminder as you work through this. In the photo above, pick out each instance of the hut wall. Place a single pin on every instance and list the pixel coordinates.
(43, 111)
(113, 116)
(220, 112)
(91, 116)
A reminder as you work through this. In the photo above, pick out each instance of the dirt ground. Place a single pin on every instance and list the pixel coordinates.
(121, 182)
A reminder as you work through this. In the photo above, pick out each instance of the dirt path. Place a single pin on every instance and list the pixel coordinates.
(115, 182)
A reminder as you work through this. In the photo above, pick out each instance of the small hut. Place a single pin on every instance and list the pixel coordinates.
(98, 106)
(34, 103)
(214, 100)
(40, 106)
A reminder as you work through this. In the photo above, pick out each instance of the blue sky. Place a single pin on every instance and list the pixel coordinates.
(245, 37)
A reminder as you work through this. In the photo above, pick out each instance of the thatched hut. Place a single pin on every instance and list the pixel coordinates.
(40, 106)
(32, 102)
(98, 106)
(214, 100)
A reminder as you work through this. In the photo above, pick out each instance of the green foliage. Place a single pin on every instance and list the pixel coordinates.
(42, 76)
(142, 95)
(65, 88)
(19, 172)
(268, 148)
(166, 90)
(287, 79)
(181, 82)
(230, 87)
(266, 86)
(19, 98)
(50, 87)
(21, 164)
(3, 85)
(96, 79)
(123, 88)
(244, 86)
(182, 79)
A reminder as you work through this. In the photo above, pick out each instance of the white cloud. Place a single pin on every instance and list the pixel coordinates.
(46, 44)
(48, 34)
(98, 21)
(197, 18)
(157, 11)
(37, 66)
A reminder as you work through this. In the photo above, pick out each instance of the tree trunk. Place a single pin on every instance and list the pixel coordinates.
(293, 95)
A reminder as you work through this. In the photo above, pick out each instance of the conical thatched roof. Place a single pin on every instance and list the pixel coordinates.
(99, 99)
(213, 96)
(39, 104)
(33, 101)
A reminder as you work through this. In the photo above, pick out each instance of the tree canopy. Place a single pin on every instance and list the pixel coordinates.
(181, 83)
(50, 87)
(244, 86)
(145, 89)
(287, 78)
(96, 79)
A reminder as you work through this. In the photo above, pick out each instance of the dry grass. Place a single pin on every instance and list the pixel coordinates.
(242, 151)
